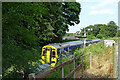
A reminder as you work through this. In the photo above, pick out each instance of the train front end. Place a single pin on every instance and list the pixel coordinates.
(49, 55)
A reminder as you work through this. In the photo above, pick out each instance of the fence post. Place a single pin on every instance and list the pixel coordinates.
(84, 38)
(32, 76)
(90, 60)
(62, 69)
(74, 67)
(82, 65)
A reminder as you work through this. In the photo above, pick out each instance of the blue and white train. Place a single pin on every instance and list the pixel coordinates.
(52, 52)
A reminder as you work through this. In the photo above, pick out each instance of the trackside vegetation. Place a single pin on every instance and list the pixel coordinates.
(97, 50)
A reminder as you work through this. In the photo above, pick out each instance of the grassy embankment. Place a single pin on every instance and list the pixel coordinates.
(102, 61)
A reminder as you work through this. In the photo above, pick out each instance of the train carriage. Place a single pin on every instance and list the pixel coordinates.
(52, 52)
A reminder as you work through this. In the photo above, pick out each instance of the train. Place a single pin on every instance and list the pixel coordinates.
(52, 53)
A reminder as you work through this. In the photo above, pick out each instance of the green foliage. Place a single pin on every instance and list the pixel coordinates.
(29, 26)
(19, 43)
(96, 50)
(105, 31)
(112, 29)
(91, 37)
(100, 36)
(70, 34)
(118, 33)
(69, 16)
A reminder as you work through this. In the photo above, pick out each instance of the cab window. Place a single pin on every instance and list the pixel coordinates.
(44, 52)
(53, 54)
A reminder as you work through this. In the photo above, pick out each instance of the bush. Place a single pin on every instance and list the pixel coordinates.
(91, 37)
(100, 36)
(118, 33)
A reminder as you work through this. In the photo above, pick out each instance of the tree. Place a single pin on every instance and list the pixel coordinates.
(19, 41)
(29, 26)
(69, 16)
(112, 29)
(103, 30)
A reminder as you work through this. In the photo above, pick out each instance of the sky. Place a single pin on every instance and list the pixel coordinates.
(96, 12)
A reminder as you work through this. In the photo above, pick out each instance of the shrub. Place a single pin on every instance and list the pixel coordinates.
(91, 37)
(118, 33)
(100, 36)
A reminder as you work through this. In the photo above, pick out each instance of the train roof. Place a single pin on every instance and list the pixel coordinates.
(71, 43)
(93, 40)
(65, 44)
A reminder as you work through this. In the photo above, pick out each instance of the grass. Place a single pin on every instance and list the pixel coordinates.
(68, 68)
(102, 60)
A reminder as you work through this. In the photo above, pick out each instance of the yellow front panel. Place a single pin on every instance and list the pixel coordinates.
(43, 59)
(53, 59)
(48, 55)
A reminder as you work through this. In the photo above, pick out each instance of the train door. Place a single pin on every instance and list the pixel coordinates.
(46, 55)
(48, 52)
(53, 57)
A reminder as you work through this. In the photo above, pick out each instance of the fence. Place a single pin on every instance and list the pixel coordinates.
(61, 66)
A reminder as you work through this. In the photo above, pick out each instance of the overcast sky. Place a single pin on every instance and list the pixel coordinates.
(96, 12)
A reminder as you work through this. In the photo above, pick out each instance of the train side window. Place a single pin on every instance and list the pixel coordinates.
(58, 54)
(70, 50)
(65, 52)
